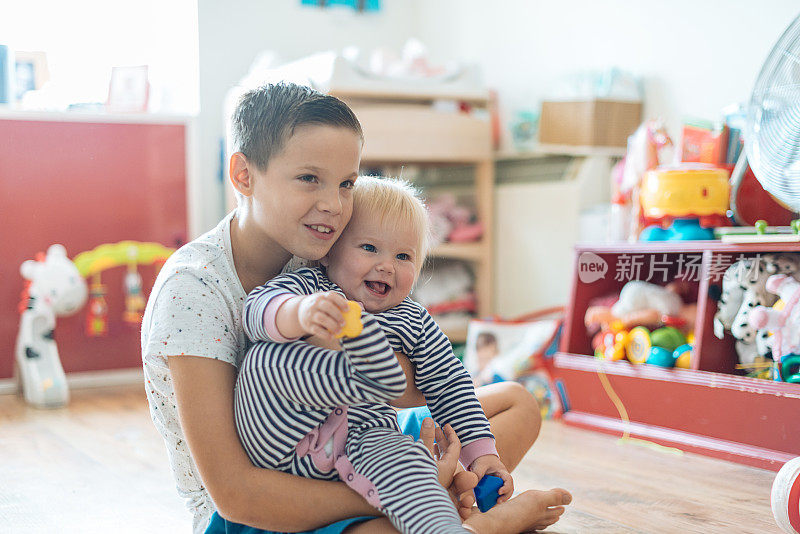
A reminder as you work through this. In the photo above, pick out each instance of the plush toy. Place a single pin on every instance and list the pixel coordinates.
(785, 323)
(743, 289)
(641, 304)
(782, 263)
(449, 281)
(451, 222)
(55, 288)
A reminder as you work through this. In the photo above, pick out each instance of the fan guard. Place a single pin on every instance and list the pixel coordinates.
(772, 130)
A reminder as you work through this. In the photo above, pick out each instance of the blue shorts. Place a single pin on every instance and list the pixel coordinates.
(218, 525)
(410, 422)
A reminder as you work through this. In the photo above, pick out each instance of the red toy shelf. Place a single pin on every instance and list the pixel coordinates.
(706, 409)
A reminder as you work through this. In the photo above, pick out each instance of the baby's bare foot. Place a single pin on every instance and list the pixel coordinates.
(531, 510)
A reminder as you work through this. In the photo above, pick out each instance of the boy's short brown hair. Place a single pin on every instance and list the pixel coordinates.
(267, 116)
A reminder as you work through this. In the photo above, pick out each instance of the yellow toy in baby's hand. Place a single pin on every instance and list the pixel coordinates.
(352, 320)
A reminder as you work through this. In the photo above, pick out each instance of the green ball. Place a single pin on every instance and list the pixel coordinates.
(668, 337)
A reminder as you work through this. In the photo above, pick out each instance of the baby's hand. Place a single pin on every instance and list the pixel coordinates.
(489, 464)
(322, 314)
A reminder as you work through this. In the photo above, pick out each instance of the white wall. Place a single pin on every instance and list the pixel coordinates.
(83, 39)
(233, 33)
(695, 56)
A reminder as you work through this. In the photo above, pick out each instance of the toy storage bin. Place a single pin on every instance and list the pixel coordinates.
(589, 123)
(659, 269)
(705, 409)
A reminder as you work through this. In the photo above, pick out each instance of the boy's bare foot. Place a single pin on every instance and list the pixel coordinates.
(531, 510)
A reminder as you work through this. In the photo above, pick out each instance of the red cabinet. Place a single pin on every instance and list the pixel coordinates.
(707, 409)
(83, 182)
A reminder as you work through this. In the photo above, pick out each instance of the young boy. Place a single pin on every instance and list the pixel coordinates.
(192, 337)
(296, 154)
(331, 405)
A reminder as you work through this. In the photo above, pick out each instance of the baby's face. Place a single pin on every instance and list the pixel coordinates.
(374, 264)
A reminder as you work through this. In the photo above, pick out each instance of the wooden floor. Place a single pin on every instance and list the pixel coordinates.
(99, 465)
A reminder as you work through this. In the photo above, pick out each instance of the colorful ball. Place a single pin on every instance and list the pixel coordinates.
(668, 337)
(786, 497)
(661, 357)
(683, 356)
(638, 347)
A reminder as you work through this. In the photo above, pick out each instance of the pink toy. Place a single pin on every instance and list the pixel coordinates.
(451, 222)
(784, 324)
(648, 147)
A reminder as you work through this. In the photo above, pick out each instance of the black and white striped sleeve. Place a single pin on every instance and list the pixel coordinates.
(365, 371)
(301, 282)
(448, 388)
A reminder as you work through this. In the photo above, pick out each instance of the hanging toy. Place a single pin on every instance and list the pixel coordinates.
(97, 317)
(111, 255)
(134, 299)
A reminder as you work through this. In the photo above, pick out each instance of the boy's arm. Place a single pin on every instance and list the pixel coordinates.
(365, 371)
(412, 396)
(449, 391)
(243, 493)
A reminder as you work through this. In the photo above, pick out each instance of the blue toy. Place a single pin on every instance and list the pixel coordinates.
(486, 492)
(661, 357)
(680, 230)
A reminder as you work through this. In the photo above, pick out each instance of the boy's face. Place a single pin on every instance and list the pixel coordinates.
(303, 200)
(374, 263)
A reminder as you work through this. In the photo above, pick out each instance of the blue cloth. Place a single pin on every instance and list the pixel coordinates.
(410, 422)
(219, 525)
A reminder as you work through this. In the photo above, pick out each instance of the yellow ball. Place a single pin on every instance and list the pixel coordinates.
(684, 361)
(638, 346)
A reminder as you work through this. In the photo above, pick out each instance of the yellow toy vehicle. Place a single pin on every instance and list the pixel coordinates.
(694, 197)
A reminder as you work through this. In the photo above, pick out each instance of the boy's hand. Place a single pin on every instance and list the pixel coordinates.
(489, 464)
(322, 314)
(445, 451)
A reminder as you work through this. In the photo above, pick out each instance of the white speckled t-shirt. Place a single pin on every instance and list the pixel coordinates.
(195, 308)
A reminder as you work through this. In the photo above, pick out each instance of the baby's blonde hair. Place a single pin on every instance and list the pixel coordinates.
(395, 201)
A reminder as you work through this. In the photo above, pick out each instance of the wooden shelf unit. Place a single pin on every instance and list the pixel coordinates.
(706, 409)
(406, 129)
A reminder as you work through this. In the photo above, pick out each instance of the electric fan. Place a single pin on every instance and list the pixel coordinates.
(772, 130)
(772, 144)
